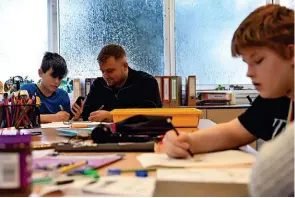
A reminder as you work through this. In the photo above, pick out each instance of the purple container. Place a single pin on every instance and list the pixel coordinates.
(16, 161)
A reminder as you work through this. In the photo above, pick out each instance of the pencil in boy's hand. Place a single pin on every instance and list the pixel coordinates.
(177, 133)
(61, 108)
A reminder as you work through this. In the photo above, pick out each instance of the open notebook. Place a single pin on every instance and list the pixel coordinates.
(214, 159)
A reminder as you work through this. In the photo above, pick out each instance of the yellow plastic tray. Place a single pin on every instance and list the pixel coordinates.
(181, 117)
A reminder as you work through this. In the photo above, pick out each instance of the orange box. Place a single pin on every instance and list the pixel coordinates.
(181, 117)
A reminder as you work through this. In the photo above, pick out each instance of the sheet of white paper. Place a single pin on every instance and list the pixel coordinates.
(222, 175)
(55, 125)
(123, 186)
(222, 158)
(72, 189)
(249, 149)
(68, 124)
(42, 153)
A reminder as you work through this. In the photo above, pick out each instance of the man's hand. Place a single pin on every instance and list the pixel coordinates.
(77, 110)
(100, 116)
(62, 116)
(177, 146)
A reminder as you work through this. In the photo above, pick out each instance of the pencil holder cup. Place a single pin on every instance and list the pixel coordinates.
(25, 116)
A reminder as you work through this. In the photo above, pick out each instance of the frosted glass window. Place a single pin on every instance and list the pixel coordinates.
(204, 29)
(23, 37)
(87, 25)
(288, 3)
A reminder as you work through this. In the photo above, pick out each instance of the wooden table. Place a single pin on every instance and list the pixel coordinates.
(129, 161)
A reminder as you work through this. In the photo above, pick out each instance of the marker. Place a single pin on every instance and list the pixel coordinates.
(114, 170)
(42, 180)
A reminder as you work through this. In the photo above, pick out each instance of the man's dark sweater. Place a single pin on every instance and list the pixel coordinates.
(139, 91)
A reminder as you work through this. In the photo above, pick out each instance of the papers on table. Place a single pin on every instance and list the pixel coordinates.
(123, 186)
(214, 159)
(69, 124)
(222, 175)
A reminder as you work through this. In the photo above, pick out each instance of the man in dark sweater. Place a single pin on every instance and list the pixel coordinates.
(119, 87)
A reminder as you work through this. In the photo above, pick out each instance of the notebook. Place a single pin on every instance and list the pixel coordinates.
(214, 159)
(93, 161)
(221, 175)
(72, 131)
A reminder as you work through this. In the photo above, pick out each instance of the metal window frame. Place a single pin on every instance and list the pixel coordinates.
(169, 31)
(53, 26)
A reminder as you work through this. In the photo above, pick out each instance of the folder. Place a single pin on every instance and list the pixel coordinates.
(88, 83)
(160, 84)
(175, 91)
(166, 91)
(1, 87)
(76, 88)
(191, 91)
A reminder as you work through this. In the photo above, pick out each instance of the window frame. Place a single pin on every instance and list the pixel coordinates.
(169, 36)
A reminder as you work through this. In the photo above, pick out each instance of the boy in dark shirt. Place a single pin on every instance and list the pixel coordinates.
(266, 44)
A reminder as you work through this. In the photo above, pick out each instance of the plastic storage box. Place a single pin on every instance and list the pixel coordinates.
(181, 117)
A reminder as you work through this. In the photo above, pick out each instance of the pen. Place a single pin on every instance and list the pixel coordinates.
(61, 108)
(177, 133)
(134, 169)
(101, 107)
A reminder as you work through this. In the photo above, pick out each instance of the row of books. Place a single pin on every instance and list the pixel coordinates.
(171, 91)
(79, 89)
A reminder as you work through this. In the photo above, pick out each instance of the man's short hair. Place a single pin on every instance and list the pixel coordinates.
(111, 50)
(56, 62)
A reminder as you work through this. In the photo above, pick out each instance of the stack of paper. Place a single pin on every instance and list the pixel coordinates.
(222, 175)
(201, 182)
(214, 159)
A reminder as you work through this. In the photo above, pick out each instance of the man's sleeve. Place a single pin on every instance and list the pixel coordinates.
(150, 94)
(91, 102)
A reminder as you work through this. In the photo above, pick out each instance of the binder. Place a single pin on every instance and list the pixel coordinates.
(88, 83)
(87, 86)
(76, 88)
(166, 91)
(160, 84)
(1, 87)
(191, 91)
(175, 91)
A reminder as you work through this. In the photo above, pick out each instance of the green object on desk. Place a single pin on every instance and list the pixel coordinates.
(92, 173)
(42, 180)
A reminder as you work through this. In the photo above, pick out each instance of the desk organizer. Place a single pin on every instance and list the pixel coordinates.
(25, 115)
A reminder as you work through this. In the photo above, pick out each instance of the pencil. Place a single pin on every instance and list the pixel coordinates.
(71, 167)
(177, 133)
(61, 108)
(101, 107)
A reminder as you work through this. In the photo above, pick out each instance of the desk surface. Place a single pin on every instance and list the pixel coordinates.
(129, 161)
